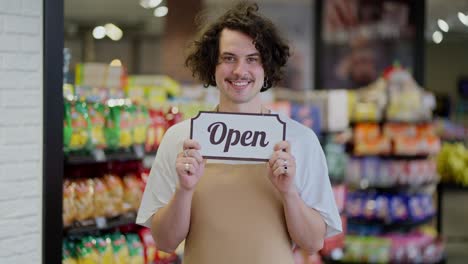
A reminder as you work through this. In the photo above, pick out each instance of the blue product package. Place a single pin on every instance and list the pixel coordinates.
(307, 114)
(398, 208)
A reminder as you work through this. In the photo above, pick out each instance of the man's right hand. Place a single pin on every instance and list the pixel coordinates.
(190, 165)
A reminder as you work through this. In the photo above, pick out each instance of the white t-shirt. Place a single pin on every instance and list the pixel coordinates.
(311, 178)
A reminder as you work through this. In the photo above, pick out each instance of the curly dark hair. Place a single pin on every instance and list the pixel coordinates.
(244, 17)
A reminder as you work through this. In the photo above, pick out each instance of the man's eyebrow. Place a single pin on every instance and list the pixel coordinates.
(256, 54)
(228, 53)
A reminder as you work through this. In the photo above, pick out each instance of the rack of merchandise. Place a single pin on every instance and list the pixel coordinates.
(391, 175)
(113, 124)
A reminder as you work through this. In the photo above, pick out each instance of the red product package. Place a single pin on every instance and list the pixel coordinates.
(148, 244)
(336, 241)
(157, 128)
(339, 191)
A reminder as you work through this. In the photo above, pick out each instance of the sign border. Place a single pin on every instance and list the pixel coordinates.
(235, 158)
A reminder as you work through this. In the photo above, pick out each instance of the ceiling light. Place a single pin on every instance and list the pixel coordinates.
(463, 18)
(99, 32)
(150, 3)
(113, 32)
(116, 63)
(443, 25)
(161, 11)
(437, 37)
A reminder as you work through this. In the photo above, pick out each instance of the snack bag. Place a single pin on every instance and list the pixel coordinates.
(132, 192)
(97, 114)
(104, 249)
(68, 253)
(84, 201)
(135, 248)
(116, 194)
(102, 198)
(149, 245)
(398, 208)
(120, 249)
(157, 128)
(69, 210)
(80, 126)
(67, 126)
(86, 252)
(140, 124)
(119, 127)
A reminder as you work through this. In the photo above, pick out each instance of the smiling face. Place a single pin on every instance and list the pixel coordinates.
(239, 73)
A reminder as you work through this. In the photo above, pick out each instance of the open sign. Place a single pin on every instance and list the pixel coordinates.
(237, 136)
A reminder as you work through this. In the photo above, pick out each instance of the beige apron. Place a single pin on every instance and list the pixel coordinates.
(237, 217)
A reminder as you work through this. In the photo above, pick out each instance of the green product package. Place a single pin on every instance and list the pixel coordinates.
(120, 248)
(67, 127)
(140, 124)
(97, 114)
(119, 126)
(86, 252)
(135, 248)
(104, 248)
(81, 127)
(68, 252)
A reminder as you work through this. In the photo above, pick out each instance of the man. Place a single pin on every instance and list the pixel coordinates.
(240, 212)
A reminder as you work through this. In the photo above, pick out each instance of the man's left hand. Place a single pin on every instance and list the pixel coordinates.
(283, 168)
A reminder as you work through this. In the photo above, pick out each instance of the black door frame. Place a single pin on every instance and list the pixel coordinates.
(52, 150)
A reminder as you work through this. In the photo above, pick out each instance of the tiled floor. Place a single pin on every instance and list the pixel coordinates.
(455, 226)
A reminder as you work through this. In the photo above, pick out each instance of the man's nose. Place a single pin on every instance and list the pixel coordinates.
(240, 68)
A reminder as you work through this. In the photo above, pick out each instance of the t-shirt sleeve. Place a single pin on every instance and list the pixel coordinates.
(162, 180)
(314, 184)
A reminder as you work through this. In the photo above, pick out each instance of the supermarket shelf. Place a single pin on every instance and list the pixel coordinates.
(385, 121)
(100, 156)
(94, 225)
(408, 188)
(384, 227)
(329, 260)
(393, 156)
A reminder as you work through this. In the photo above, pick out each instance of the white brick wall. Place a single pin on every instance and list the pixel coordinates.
(20, 130)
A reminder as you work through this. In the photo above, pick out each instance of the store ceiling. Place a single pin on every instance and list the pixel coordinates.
(130, 13)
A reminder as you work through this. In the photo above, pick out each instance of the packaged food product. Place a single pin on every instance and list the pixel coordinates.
(116, 194)
(149, 245)
(132, 192)
(84, 202)
(81, 127)
(87, 254)
(104, 248)
(102, 199)
(398, 208)
(140, 124)
(68, 253)
(67, 126)
(69, 210)
(173, 116)
(119, 127)
(119, 248)
(97, 113)
(156, 130)
(393, 130)
(135, 248)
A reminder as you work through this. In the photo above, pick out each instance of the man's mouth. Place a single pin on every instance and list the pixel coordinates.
(239, 83)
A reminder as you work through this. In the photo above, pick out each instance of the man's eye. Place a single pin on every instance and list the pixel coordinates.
(252, 59)
(228, 59)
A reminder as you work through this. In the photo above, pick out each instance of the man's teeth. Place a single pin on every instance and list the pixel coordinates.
(241, 83)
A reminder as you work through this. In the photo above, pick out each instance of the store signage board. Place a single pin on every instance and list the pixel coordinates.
(237, 136)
